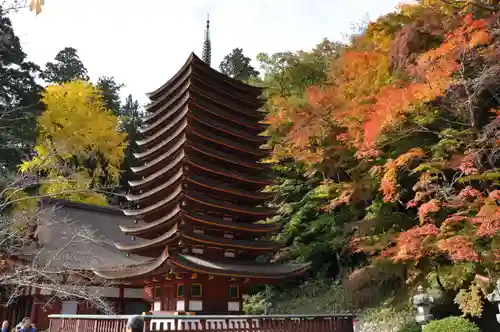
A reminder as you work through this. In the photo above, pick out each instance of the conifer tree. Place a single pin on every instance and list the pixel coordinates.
(19, 98)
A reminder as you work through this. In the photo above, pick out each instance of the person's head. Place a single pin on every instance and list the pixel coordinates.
(135, 324)
(5, 324)
(26, 322)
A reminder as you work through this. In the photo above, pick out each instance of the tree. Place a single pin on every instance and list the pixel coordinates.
(131, 119)
(66, 68)
(79, 148)
(237, 65)
(396, 146)
(291, 73)
(110, 91)
(19, 98)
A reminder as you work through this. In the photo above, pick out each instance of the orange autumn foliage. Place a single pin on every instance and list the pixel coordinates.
(363, 98)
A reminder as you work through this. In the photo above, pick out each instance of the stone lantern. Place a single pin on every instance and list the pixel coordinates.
(494, 297)
(423, 302)
(267, 308)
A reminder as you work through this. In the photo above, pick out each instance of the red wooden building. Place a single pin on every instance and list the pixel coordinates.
(195, 237)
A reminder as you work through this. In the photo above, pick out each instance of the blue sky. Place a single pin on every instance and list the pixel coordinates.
(144, 42)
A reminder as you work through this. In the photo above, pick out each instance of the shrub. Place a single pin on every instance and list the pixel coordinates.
(411, 327)
(455, 324)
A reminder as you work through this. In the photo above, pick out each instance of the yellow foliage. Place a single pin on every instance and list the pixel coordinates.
(20, 200)
(78, 146)
(36, 6)
(470, 301)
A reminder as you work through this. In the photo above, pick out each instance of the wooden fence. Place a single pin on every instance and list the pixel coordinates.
(160, 323)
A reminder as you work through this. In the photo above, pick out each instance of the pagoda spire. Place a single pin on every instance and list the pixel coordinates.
(207, 44)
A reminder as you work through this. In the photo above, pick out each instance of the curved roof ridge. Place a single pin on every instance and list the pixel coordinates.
(144, 268)
(137, 198)
(138, 212)
(154, 94)
(197, 162)
(143, 244)
(136, 229)
(183, 111)
(220, 222)
(262, 245)
(161, 157)
(232, 268)
(205, 200)
(161, 171)
(174, 100)
(223, 187)
(175, 135)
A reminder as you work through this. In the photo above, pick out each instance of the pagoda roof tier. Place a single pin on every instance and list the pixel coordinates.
(193, 63)
(190, 196)
(216, 187)
(171, 166)
(173, 180)
(178, 233)
(196, 134)
(228, 158)
(214, 222)
(180, 143)
(196, 99)
(242, 105)
(176, 101)
(194, 117)
(239, 106)
(174, 118)
(226, 267)
(220, 187)
(166, 221)
(225, 128)
(144, 229)
(181, 160)
(155, 266)
(217, 117)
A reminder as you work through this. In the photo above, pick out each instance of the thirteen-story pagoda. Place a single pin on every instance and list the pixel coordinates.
(198, 200)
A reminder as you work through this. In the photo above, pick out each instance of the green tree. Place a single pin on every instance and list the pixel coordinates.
(237, 65)
(19, 98)
(110, 91)
(290, 73)
(67, 67)
(131, 119)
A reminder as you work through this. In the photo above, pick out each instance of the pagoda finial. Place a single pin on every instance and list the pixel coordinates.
(207, 44)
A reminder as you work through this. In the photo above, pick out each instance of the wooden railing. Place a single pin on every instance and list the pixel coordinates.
(160, 323)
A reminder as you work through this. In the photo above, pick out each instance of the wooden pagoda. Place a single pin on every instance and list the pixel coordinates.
(198, 202)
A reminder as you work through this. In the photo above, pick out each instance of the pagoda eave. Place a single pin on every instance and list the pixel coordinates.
(172, 122)
(194, 61)
(174, 196)
(226, 157)
(179, 98)
(154, 176)
(164, 239)
(243, 269)
(231, 225)
(165, 221)
(168, 261)
(154, 94)
(149, 267)
(192, 197)
(177, 134)
(166, 185)
(146, 230)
